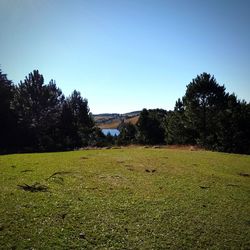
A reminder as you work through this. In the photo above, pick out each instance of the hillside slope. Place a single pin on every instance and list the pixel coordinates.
(114, 120)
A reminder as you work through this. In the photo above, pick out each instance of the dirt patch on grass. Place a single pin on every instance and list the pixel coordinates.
(185, 147)
(120, 162)
(83, 158)
(244, 174)
(129, 167)
(114, 180)
(26, 170)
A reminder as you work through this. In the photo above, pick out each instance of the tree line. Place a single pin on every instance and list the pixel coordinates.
(206, 116)
(37, 117)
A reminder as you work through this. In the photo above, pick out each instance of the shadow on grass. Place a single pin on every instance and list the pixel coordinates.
(36, 187)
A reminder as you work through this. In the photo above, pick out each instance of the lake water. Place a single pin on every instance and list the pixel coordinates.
(112, 131)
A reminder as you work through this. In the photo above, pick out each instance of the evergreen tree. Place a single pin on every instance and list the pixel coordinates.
(7, 124)
(203, 101)
(97, 138)
(128, 133)
(151, 126)
(38, 108)
(177, 131)
(234, 127)
(76, 121)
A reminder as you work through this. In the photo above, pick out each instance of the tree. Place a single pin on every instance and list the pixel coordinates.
(234, 127)
(76, 121)
(203, 101)
(97, 138)
(38, 108)
(177, 131)
(151, 126)
(7, 124)
(127, 134)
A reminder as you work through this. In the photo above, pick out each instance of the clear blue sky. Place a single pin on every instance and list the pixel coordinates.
(125, 55)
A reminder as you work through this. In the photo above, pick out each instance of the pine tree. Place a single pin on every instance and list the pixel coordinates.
(7, 124)
(38, 108)
(76, 121)
(203, 101)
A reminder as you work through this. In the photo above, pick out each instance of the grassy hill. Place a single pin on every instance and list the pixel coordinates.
(128, 198)
(114, 120)
(114, 123)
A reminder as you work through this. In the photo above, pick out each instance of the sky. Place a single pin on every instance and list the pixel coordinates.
(126, 55)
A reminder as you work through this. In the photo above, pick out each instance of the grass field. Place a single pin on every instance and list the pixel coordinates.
(128, 198)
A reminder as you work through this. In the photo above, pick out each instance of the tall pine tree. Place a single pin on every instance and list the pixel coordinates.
(7, 124)
(38, 108)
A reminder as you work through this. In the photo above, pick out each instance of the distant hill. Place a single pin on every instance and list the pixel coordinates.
(113, 120)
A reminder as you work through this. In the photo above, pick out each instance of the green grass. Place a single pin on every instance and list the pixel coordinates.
(105, 199)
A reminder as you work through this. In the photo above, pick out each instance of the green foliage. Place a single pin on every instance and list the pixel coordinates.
(151, 126)
(234, 127)
(6, 92)
(209, 117)
(76, 122)
(177, 131)
(36, 117)
(203, 100)
(38, 108)
(128, 133)
(7, 118)
(97, 138)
